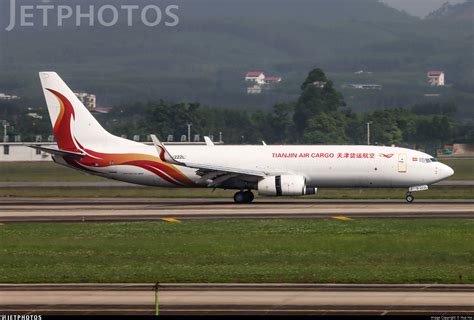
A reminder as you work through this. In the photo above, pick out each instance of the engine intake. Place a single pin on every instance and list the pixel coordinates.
(284, 185)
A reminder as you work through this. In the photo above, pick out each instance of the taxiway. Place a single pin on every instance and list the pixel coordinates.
(182, 299)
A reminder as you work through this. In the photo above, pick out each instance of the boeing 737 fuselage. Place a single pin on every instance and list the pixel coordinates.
(277, 170)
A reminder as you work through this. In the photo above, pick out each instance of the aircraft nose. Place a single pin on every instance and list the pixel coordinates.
(447, 171)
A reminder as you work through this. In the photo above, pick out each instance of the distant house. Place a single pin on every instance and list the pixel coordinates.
(272, 80)
(361, 86)
(89, 100)
(101, 110)
(256, 89)
(319, 84)
(436, 78)
(255, 76)
(258, 82)
(4, 96)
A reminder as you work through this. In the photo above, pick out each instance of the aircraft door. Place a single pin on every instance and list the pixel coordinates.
(402, 162)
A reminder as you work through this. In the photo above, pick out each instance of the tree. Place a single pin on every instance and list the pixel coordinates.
(384, 128)
(326, 128)
(281, 123)
(318, 95)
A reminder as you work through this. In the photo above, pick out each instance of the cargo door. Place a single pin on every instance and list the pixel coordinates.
(402, 162)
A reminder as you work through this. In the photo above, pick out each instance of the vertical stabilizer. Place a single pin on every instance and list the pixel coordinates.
(72, 123)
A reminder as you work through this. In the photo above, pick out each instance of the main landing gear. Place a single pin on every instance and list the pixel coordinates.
(409, 197)
(243, 197)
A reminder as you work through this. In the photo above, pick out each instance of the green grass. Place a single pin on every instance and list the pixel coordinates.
(463, 168)
(49, 171)
(41, 171)
(303, 251)
(151, 192)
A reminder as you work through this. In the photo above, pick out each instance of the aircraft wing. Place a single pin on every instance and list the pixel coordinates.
(58, 152)
(219, 175)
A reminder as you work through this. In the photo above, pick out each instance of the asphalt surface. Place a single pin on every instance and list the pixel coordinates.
(109, 210)
(119, 184)
(228, 299)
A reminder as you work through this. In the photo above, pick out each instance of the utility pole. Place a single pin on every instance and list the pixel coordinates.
(189, 131)
(368, 132)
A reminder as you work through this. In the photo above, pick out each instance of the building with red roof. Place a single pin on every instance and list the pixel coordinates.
(436, 78)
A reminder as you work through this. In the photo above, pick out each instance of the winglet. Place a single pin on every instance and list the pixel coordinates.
(209, 142)
(263, 142)
(164, 154)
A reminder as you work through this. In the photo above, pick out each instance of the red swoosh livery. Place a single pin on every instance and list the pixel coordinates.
(94, 159)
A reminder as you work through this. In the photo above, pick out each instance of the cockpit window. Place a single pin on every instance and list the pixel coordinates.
(427, 160)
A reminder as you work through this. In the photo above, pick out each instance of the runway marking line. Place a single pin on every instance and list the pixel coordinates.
(171, 220)
(343, 218)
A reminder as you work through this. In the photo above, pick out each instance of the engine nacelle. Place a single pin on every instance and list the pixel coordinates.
(284, 185)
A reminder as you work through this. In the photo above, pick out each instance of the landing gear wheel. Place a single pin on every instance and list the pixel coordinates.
(239, 197)
(410, 198)
(243, 197)
(248, 196)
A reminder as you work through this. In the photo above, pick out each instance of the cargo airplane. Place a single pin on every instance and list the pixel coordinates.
(271, 170)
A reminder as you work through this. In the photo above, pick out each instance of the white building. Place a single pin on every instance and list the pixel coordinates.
(256, 89)
(4, 96)
(255, 76)
(362, 86)
(89, 100)
(436, 78)
(319, 84)
(11, 151)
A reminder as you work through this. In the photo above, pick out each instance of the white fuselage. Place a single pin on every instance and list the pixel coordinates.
(322, 166)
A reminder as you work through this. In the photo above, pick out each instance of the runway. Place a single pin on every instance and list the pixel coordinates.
(110, 210)
(238, 299)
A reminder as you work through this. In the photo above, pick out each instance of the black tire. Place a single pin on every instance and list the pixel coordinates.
(248, 196)
(239, 197)
(410, 198)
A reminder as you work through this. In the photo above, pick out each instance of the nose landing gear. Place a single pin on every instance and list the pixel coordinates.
(243, 197)
(410, 197)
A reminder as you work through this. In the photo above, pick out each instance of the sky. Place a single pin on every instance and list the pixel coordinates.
(418, 8)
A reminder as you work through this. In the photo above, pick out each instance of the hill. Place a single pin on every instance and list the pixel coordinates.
(206, 56)
(461, 11)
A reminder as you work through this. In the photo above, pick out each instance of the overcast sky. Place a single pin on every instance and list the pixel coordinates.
(418, 7)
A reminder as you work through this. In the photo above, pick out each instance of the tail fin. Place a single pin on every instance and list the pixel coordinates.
(72, 122)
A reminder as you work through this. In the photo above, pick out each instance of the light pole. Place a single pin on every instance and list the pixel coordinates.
(5, 125)
(189, 131)
(368, 132)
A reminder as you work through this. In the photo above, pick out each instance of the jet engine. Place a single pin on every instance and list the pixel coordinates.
(284, 185)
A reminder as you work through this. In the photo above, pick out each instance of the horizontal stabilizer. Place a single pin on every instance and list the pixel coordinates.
(58, 152)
